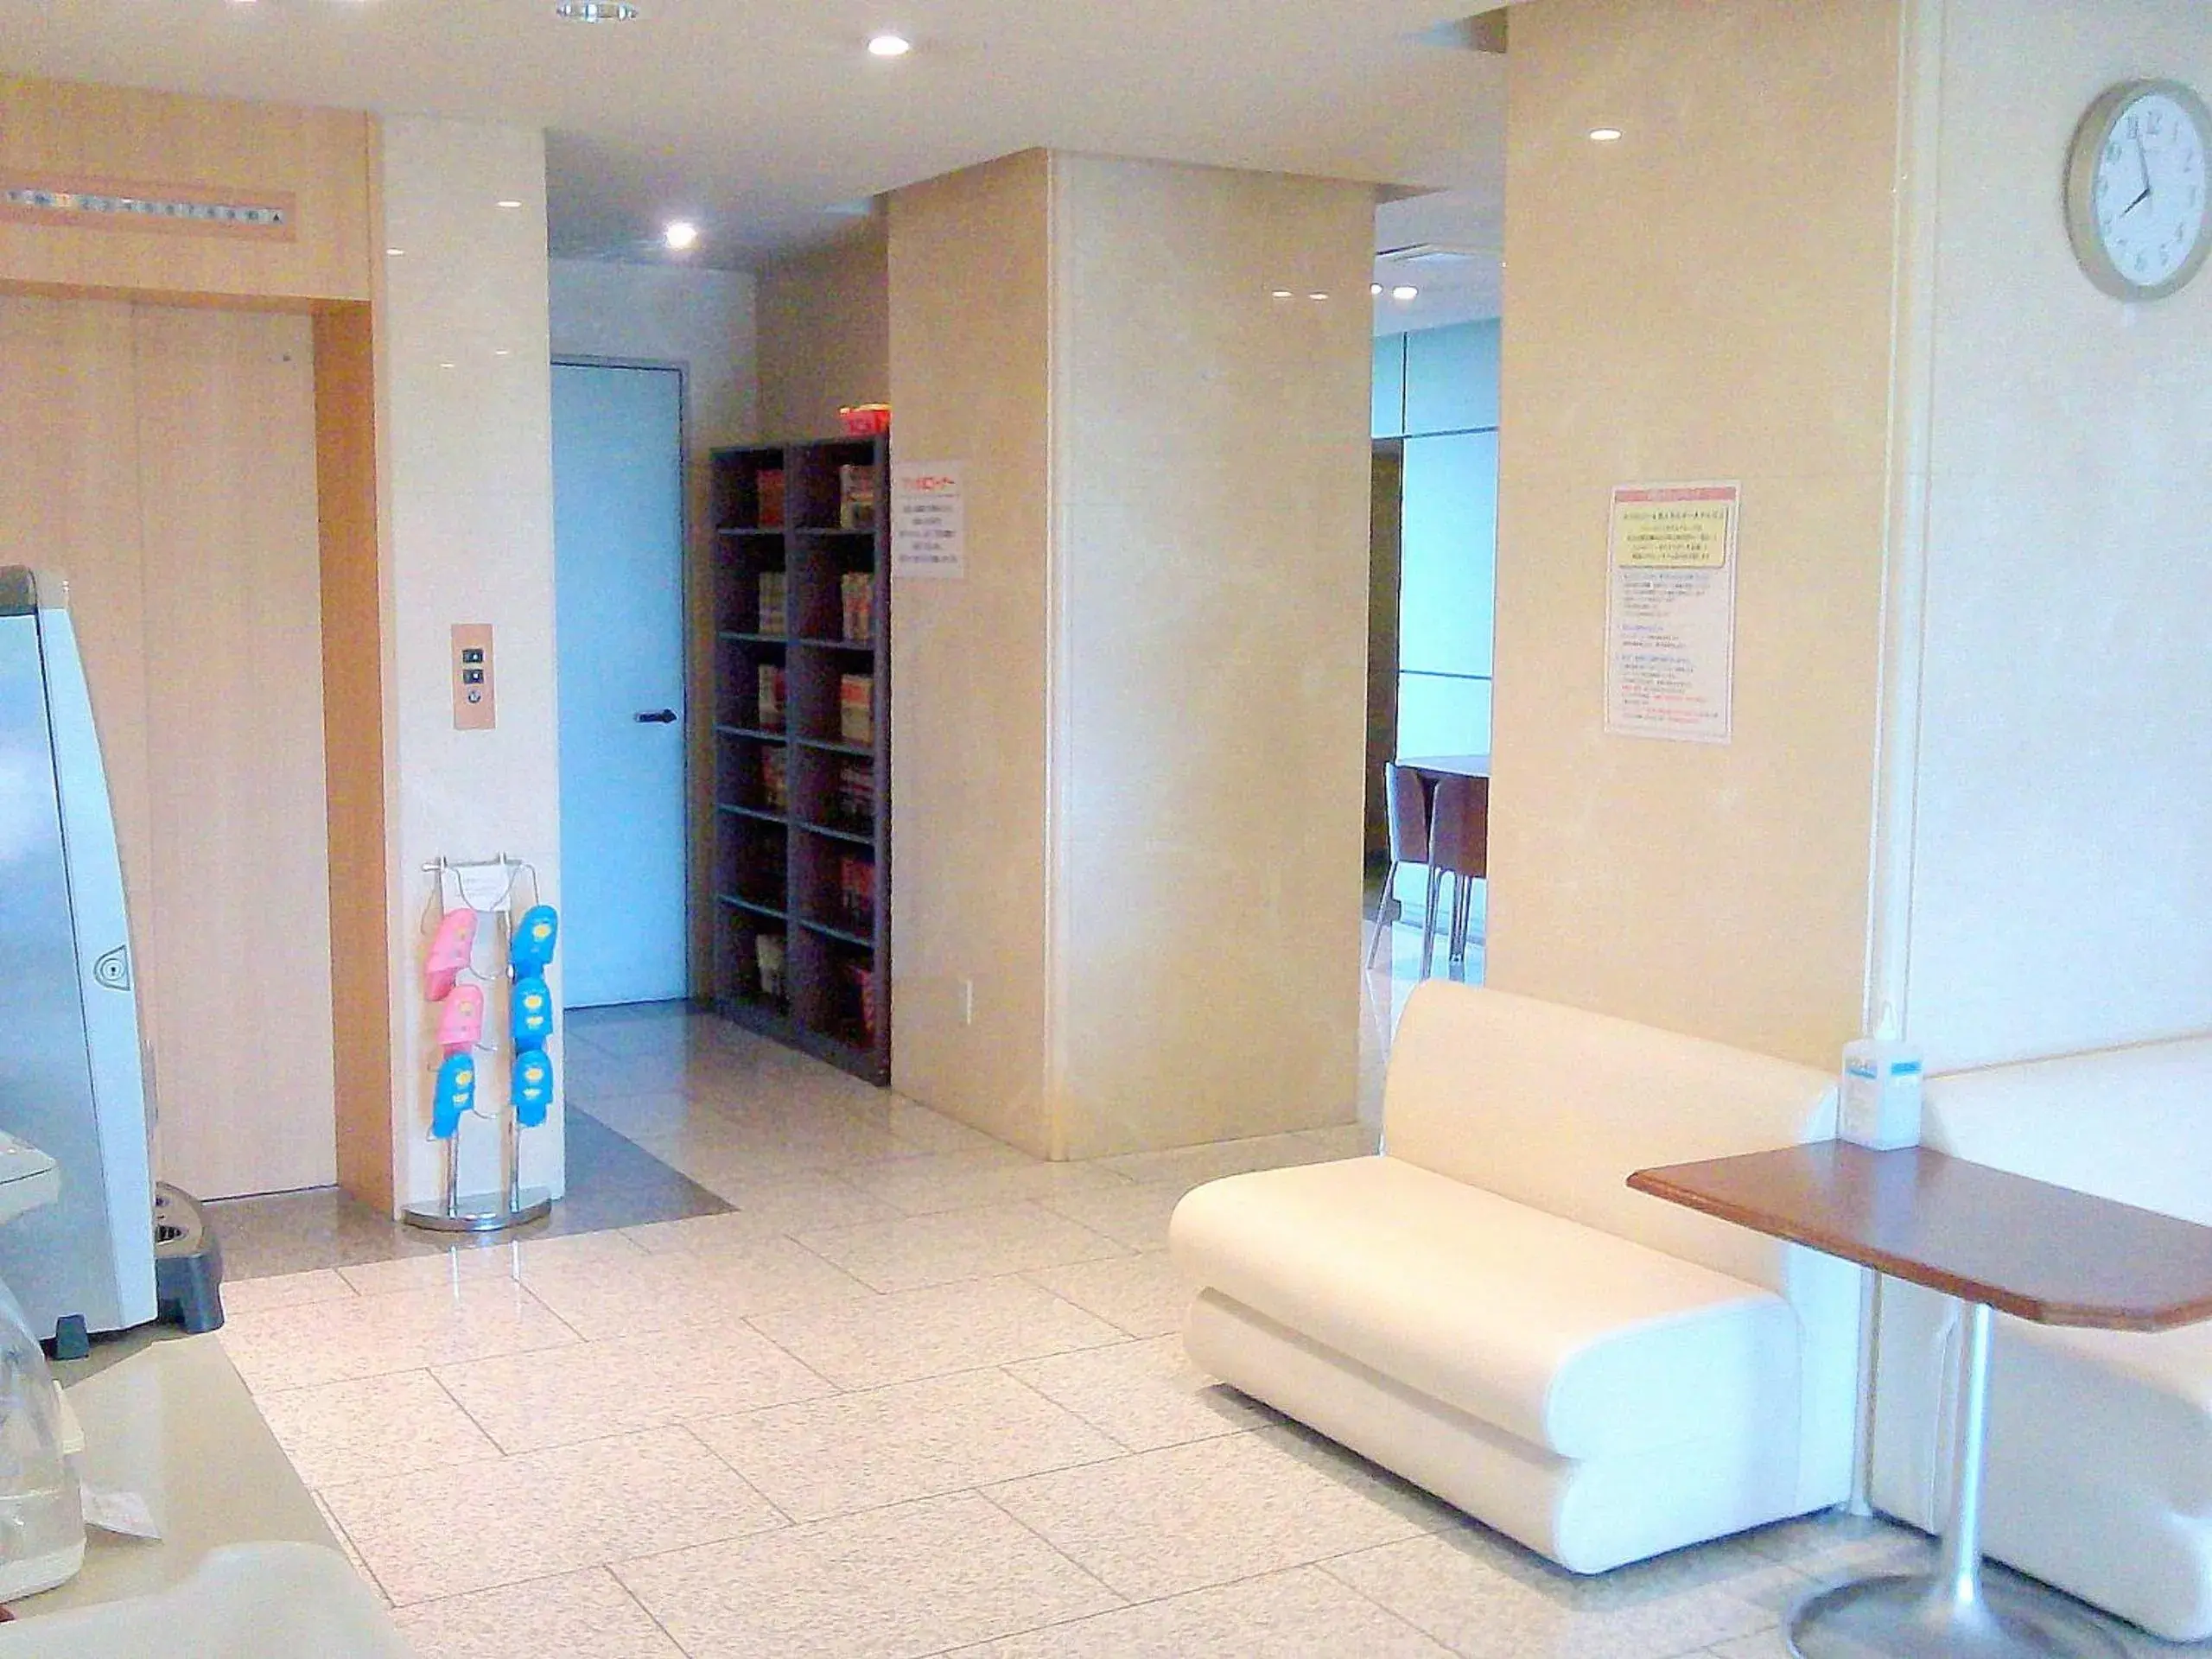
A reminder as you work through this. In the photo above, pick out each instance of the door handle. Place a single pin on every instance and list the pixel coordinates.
(658, 717)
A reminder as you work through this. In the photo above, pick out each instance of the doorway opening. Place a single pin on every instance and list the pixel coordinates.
(1432, 615)
(619, 536)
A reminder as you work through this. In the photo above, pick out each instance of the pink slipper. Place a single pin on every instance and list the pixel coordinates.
(449, 949)
(463, 1021)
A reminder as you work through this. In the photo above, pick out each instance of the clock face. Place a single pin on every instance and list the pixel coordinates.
(2136, 191)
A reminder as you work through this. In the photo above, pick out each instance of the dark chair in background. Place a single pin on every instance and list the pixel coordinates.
(1459, 844)
(1407, 803)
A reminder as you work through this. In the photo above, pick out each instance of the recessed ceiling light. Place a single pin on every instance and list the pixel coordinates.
(1317, 296)
(1373, 289)
(393, 253)
(1281, 293)
(1605, 135)
(681, 233)
(502, 351)
(596, 11)
(1405, 291)
(889, 46)
(508, 202)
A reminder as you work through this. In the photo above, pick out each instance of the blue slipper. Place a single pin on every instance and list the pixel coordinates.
(532, 949)
(456, 1094)
(531, 1013)
(532, 1089)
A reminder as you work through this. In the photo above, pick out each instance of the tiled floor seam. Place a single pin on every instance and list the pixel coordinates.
(743, 1479)
(834, 1266)
(1130, 1601)
(1120, 1597)
(536, 1301)
(1353, 1590)
(352, 1550)
(838, 1390)
(506, 1584)
(1120, 1451)
(471, 1416)
(1127, 1450)
(654, 1617)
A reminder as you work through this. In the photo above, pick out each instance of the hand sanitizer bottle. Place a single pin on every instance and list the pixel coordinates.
(1880, 1103)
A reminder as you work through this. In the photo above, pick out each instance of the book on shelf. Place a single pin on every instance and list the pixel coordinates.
(769, 484)
(775, 607)
(856, 794)
(856, 590)
(768, 958)
(775, 778)
(771, 681)
(856, 892)
(856, 708)
(861, 978)
(856, 497)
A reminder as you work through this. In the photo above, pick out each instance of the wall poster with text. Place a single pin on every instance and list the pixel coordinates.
(1670, 611)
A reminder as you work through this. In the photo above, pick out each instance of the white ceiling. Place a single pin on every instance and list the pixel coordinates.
(1456, 239)
(762, 121)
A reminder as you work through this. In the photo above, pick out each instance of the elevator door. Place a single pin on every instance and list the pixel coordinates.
(163, 459)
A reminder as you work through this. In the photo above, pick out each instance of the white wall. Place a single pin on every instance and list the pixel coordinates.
(663, 313)
(466, 393)
(2062, 874)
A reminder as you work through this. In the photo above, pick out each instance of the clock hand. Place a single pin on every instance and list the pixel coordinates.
(2144, 161)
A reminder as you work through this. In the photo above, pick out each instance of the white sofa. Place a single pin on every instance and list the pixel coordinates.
(1488, 1310)
(2099, 1442)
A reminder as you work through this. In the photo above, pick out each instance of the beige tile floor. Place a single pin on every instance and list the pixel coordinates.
(913, 1394)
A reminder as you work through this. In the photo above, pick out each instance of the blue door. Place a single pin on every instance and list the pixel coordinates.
(618, 533)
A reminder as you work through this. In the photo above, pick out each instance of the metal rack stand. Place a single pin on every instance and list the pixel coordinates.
(513, 1204)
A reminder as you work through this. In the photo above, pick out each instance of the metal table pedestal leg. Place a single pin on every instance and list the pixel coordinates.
(1954, 1612)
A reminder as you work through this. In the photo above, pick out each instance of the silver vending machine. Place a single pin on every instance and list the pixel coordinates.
(72, 1083)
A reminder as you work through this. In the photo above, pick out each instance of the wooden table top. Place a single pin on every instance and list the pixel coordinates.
(2044, 1253)
(1463, 765)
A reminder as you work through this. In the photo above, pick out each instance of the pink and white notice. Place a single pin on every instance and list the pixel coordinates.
(1670, 611)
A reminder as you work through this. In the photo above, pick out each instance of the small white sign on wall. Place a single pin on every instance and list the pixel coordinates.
(928, 519)
(1670, 611)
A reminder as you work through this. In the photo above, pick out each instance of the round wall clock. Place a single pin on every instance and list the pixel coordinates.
(2135, 182)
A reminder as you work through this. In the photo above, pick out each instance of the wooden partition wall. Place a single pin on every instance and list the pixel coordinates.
(354, 617)
(190, 434)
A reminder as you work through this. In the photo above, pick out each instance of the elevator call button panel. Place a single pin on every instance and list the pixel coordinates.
(473, 706)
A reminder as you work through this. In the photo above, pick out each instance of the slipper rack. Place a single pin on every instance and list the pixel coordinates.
(520, 945)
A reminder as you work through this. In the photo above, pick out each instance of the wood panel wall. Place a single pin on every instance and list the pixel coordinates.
(319, 158)
(265, 495)
(355, 617)
(230, 558)
(176, 490)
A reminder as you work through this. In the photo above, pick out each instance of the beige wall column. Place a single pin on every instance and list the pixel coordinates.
(466, 396)
(824, 334)
(969, 678)
(1127, 744)
(1707, 298)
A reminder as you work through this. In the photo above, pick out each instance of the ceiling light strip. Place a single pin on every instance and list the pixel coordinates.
(107, 203)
